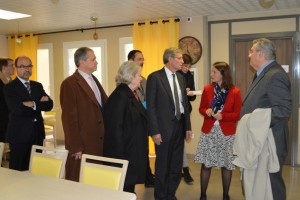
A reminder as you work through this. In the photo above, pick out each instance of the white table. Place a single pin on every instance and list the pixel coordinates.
(16, 185)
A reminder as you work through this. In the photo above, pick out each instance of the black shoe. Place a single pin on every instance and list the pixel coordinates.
(186, 175)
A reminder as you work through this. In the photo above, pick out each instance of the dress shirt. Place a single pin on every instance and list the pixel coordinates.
(170, 79)
(89, 79)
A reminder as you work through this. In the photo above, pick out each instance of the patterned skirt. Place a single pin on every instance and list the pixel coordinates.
(215, 149)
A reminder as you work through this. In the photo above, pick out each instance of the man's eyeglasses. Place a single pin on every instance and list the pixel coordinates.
(25, 67)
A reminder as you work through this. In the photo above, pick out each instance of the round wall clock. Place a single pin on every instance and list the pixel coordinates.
(191, 46)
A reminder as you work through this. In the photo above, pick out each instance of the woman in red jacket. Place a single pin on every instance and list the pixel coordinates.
(220, 105)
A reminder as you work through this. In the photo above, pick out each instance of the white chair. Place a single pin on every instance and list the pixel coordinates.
(48, 161)
(1, 152)
(103, 172)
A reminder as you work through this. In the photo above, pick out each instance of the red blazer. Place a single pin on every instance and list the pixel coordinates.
(230, 112)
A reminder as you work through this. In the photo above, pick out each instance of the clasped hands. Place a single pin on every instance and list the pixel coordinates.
(218, 116)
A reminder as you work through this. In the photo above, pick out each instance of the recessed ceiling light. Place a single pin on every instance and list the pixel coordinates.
(8, 15)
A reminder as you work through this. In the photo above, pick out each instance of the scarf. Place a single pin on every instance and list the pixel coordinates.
(218, 102)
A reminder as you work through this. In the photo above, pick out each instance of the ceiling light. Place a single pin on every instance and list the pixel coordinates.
(8, 15)
(266, 3)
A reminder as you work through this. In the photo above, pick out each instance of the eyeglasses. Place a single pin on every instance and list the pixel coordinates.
(25, 67)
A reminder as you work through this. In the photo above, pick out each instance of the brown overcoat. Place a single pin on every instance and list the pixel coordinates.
(82, 120)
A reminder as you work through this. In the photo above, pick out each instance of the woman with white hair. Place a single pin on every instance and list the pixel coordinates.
(126, 125)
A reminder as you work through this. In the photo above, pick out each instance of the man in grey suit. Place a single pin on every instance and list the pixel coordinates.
(169, 122)
(271, 89)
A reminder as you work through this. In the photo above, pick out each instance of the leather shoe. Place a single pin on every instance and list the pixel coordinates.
(186, 175)
(203, 197)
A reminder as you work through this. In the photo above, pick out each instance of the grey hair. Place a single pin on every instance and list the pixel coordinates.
(170, 52)
(267, 47)
(126, 72)
(81, 54)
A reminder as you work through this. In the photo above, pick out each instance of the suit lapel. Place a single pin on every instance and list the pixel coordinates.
(86, 88)
(165, 83)
(22, 87)
(257, 80)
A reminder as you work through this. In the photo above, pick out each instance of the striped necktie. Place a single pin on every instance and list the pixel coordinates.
(176, 99)
(27, 85)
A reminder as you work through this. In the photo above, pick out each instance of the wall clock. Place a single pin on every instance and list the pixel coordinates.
(191, 46)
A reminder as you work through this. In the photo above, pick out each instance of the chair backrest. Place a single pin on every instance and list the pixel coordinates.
(103, 171)
(48, 161)
(1, 152)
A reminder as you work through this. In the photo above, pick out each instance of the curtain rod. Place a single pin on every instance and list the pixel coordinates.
(155, 22)
(73, 30)
(99, 27)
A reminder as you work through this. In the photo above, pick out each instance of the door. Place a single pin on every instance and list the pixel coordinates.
(243, 73)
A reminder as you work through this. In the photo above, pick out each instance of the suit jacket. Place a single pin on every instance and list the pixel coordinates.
(230, 112)
(3, 109)
(22, 119)
(161, 106)
(272, 89)
(142, 90)
(82, 120)
(126, 135)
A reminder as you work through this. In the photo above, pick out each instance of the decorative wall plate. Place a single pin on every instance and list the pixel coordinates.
(191, 46)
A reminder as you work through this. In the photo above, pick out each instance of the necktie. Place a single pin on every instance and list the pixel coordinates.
(136, 95)
(177, 114)
(95, 89)
(27, 85)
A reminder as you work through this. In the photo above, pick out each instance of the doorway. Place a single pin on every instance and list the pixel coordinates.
(243, 73)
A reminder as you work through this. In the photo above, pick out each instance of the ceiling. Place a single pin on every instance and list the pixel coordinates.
(59, 15)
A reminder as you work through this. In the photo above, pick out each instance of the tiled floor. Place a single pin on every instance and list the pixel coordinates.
(192, 192)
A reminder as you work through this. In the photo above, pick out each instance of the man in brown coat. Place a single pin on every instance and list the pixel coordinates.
(82, 98)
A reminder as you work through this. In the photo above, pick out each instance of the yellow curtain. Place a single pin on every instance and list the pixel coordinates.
(27, 47)
(152, 40)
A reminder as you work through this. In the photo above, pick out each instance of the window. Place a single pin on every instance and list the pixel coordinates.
(45, 68)
(99, 48)
(125, 46)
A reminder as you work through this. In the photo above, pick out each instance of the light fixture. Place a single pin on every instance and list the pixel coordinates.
(18, 40)
(266, 3)
(94, 19)
(8, 15)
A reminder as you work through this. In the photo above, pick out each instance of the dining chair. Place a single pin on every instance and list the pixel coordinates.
(48, 161)
(1, 152)
(103, 171)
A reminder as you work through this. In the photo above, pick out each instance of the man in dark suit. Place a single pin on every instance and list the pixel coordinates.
(6, 71)
(169, 122)
(271, 89)
(137, 57)
(26, 99)
(81, 99)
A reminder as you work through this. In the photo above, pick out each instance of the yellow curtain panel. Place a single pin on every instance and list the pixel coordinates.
(152, 39)
(24, 46)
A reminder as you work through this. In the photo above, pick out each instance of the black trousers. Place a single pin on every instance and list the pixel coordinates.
(20, 152)
(168, 164)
